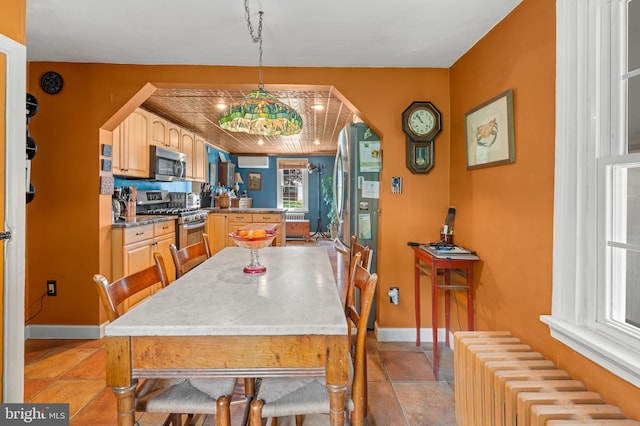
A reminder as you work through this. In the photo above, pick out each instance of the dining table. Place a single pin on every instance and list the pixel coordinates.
(218, 321)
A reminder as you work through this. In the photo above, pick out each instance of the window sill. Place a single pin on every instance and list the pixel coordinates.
(597, 347)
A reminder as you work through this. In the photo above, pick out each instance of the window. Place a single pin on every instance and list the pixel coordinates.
(596, 259)
(293, 184)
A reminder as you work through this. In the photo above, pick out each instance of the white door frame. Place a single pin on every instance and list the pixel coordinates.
(15, 218)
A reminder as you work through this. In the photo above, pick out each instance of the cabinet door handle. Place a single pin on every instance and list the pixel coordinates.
(140, 233)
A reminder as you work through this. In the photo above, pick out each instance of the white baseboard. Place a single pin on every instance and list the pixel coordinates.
(64, 331)
(409, 335)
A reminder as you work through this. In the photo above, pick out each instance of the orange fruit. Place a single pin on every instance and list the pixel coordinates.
(259, 233)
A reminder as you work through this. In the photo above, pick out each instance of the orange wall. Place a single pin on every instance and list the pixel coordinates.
(69, 221)
(13, 20)
(506, 212)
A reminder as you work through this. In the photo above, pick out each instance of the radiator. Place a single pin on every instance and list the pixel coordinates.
(291, 216)
(500, 381)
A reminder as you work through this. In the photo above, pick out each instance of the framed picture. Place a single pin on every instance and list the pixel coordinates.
(489, 132)
(255, 181)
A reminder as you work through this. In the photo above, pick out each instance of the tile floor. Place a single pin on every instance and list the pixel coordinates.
(402, 388)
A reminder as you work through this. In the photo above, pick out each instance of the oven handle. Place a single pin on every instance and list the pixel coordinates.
(193, 225)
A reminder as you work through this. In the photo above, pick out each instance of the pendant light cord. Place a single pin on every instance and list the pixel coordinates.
(255, 38)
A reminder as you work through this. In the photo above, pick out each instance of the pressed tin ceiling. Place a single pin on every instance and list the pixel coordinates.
(196, 109)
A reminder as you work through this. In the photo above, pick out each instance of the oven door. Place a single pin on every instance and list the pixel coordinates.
(190, 233)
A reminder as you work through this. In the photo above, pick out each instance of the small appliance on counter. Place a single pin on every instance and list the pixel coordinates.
(184, 200)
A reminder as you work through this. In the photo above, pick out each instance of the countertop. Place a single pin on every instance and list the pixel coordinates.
(258, 210)
(297, 295)
(140, 220)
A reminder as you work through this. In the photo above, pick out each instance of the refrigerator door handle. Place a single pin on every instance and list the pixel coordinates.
(338, 199)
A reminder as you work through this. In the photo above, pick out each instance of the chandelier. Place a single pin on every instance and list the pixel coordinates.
(259, 112)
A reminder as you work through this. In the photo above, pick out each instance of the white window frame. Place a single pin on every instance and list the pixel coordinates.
(589, 124)
(305, 183)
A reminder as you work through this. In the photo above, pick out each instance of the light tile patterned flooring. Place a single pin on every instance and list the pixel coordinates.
(402, 388)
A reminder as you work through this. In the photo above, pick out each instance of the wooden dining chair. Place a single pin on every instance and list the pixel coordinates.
(285, 396)
(191, 256)
(168, 396)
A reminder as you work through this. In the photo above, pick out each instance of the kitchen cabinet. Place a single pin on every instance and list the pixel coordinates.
(164, 133)
(159, 131)
(217, 225)
(220, 224)
(173, 135)
(278, 218)
(187, 140)
(131, 145)
(226, 173)
(200, 159)
(132, 251)
(237, 221)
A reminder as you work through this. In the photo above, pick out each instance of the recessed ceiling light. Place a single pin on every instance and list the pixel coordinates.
(221, 106)
(316, 142)
(260, 142)
(318, 107)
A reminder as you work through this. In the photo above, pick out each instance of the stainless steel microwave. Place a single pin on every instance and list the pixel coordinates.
(167, 164)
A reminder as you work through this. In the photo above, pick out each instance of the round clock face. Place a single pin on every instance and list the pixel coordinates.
(421, 121)
(51, 82)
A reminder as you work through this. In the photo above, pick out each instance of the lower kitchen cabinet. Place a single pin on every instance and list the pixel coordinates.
(217, 231)
(132, 251)
(221, 224)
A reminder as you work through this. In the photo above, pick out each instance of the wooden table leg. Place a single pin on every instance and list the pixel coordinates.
(125, 401)
(416, 285)
(470, 318)
(118, 377)
(337, 378)
(447, 305)
(434, 318)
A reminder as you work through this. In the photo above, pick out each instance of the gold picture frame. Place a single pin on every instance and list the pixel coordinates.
(255, 181)
(489, 132)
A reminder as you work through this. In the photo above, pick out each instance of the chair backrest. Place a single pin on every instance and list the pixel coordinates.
(362, 260)
(366, 283)
(191, 256)
(112, 295)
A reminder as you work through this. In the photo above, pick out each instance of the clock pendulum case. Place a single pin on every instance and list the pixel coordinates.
(421, 122)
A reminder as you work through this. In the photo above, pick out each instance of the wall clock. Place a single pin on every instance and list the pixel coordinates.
(51, 82)
(421, 122)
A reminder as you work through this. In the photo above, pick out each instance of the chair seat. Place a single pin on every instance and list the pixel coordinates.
(182, 395)
(287, 396)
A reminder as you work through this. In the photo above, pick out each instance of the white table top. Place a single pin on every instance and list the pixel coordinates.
(297, 295)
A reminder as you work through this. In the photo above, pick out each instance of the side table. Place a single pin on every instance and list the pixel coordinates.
(427, 263)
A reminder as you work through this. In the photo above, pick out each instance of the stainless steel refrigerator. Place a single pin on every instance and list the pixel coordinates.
(356, 188)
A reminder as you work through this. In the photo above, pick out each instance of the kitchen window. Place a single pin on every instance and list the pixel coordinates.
(596, 259)
(293, 184)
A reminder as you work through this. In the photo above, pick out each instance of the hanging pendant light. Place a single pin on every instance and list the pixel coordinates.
(259, 112)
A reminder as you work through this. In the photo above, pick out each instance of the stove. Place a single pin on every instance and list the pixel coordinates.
(184, 214)
(191, 220)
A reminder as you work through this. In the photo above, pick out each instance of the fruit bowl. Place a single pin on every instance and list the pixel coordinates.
(253, 240)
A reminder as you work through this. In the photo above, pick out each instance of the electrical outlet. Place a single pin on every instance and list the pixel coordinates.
(394, 295)
(52, 288)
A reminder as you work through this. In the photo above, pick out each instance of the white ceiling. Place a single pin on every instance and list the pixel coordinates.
(297, 33)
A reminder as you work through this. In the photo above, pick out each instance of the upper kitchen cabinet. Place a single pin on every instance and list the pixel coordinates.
(195, 148)
(187, 140)
(200, 159)
(159, 131)
(131, 145)
(173, 135)
(164, 133)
